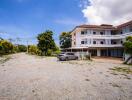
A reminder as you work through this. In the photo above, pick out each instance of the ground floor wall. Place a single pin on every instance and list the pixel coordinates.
(101, 52)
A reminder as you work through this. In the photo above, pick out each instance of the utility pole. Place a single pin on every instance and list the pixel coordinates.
(27, 46)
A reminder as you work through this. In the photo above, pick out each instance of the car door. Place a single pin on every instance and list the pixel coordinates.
(69, 56)
(72, 56)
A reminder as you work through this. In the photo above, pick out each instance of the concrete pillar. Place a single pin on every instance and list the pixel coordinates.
(98, 52)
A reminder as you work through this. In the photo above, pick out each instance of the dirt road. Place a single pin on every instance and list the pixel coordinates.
(26, 77)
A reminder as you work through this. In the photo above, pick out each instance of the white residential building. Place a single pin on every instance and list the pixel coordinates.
(101, 40)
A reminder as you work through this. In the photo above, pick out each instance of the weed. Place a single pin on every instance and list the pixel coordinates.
(127, 70)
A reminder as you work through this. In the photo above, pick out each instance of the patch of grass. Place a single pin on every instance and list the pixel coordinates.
(80, 63)
(115, 85)
(5, 59)
(114, 73)
(127, 70)
(87, 80)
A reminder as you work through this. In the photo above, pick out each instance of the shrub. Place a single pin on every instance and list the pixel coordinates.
(22, 48)
(49, 52)
(88, 57)
(32, 49)
(6, 47)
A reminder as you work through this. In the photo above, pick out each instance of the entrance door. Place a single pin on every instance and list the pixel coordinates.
(93, 52)
(104, 53)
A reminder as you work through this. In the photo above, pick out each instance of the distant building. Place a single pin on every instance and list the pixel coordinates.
(100, 40)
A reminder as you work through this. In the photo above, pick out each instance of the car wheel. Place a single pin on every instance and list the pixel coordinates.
(76, 58)
(66, 59)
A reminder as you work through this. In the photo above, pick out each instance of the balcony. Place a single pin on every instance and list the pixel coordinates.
(101, 45)
(121, 36)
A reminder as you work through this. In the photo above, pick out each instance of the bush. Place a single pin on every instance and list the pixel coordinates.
(32, 49)
(88, 57)
(49, 52)
(22, 48)
(6, 47)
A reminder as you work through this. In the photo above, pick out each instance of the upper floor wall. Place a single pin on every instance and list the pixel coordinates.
(100, 32)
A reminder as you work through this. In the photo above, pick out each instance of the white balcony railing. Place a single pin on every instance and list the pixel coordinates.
(121, 36)
(101, 45)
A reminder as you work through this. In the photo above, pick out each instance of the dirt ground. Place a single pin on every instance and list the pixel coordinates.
(26, 77)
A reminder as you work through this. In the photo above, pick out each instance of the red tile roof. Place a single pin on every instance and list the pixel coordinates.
(103, 26)
(125, 24)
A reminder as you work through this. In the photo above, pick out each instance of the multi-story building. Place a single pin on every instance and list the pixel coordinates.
(100, 40)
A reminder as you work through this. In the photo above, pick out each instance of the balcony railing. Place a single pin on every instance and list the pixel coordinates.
(101, 45)
(121, 36)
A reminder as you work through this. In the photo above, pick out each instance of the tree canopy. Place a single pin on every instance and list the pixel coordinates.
(65, 40)
(128, 48)
(5, 47)
(128, 45)
(46, 42)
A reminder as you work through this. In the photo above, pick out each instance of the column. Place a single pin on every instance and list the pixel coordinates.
(98, 52)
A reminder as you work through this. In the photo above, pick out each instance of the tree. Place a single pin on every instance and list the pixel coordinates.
(46, 42)
(128, 47)
(65, 40)
(1, 38)
(6, 47)
(22, 48)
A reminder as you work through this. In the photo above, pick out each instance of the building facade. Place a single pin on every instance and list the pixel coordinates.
(100, 40)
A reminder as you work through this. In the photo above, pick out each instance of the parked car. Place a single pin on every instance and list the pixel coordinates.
(67, 56)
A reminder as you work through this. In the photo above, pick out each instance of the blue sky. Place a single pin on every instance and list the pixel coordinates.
(27, 18)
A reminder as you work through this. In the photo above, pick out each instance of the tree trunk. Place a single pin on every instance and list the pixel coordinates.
(128, 60)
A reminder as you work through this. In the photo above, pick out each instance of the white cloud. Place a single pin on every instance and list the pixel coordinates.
(108, 11)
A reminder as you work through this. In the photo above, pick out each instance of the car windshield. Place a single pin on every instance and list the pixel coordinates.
(62, 53)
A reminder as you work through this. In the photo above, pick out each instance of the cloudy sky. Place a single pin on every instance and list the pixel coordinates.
(27, 18)
(108, 11)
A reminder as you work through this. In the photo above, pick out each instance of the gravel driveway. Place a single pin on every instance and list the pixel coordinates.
(26, 77)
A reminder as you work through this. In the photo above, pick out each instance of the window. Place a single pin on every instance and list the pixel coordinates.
(82, 42)
(94, 42)
(70, 53)
(101, 42)
(74, 34)
(94, 33)
(74, 43)
(121, 42)
(101, 33)
(114, 43)
(83, 32)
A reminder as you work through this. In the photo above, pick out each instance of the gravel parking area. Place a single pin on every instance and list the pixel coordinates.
(26, 77)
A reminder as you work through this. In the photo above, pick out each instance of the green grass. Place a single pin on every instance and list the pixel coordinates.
(5, 59)
(127, 70)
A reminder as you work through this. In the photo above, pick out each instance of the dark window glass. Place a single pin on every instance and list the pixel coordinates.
(74, 43)
(70, 53)
(82, 32)
(101, 42)
(94, 42)
(102, 33)
(114, 42)
(74, 34)
(94, 32)
(82, 42)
